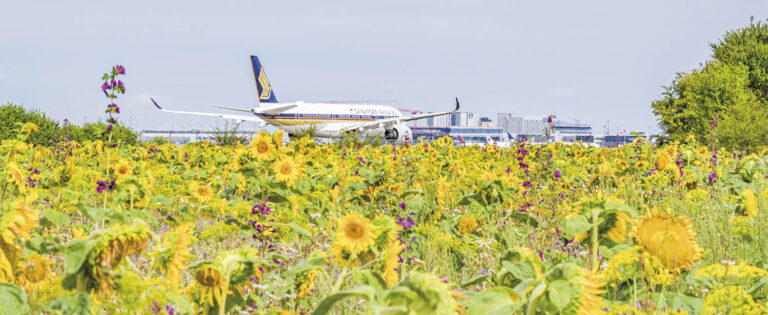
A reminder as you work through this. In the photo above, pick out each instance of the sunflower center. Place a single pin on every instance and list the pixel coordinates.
(34, 272)
(207, 278)
(122, 169)
(354, 231)
(286, 169)
(262, 147)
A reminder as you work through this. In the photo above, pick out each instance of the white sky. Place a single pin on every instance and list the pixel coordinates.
(594, 61)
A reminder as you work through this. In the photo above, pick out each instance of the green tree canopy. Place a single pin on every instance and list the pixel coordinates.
(733, 85)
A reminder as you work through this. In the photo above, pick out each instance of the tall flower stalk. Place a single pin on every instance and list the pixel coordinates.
(112, 87)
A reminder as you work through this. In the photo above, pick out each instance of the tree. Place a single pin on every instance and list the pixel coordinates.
(734, 84)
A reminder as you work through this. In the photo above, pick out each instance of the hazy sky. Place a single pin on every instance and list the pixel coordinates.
(594, 61)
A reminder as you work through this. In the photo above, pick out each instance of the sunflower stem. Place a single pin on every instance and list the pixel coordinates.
(595, 263)
(340, 281)
(536, 295)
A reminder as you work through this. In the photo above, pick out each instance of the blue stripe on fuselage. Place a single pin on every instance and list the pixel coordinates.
(322, 116)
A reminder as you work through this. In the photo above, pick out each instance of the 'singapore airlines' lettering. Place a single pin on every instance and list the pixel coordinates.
(374, 111)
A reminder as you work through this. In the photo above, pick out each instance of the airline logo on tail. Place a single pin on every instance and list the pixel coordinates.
(263, 88)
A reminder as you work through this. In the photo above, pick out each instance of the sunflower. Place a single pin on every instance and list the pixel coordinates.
(355, 233)
(16, 176)
(618, 233)
(391, 262)
(123, 169)
(15, 222)
(590, 301)
(467, 225)
(261, 147)
(748, 203)
(202, 193)
(671, 239)
(34, 272)
(307, 284)
(342, 255)
(584, 286)
(212, 284)
(286, 170)
(176, 251)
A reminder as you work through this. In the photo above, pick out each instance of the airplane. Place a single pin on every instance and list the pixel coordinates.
(329, 120)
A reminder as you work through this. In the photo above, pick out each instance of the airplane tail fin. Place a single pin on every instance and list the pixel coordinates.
(263, 88)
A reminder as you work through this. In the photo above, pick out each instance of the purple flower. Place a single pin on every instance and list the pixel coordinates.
(109, 128)
(557, 175)
(120, 85)
(120, 69)
(541, 255)
(712, 177)
(105, 87)
(406, 224)
(169, 309)
(101, 186)
(402, 205)
(527, 184)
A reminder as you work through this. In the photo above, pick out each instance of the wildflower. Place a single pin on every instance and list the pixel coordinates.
(120, 69)
(406, 224)
(105, 87)
(731, 300)
(355, 233)
(402, 205)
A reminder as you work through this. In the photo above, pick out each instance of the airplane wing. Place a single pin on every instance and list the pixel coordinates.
(383, 123)
(225, 116)
(274, 109)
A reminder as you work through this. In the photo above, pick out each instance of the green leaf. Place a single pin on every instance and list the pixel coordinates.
(161, 200)
(76, 304)
(618, 206)
(76, 253)
(179, 302)
(474, 280)
(93, 213)
(524, 217)
(365, 292)
(576, 225)
(560, 294)
(521, 269)
(498, 300)
(56, 217)
(299, 230)
(12, 299)
(308, 265)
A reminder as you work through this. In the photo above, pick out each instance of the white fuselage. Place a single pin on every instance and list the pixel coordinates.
(328, 119)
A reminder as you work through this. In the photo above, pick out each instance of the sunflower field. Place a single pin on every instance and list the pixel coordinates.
(352, 227)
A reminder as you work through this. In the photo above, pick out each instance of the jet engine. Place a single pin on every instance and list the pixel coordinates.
(399, 133)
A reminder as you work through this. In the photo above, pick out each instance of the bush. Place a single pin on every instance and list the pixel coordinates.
(95, 131)
(13, 116)
(49, 131)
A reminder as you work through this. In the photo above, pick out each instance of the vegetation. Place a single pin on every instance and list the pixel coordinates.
(733, 86)
(12, 117)
(361, 228)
